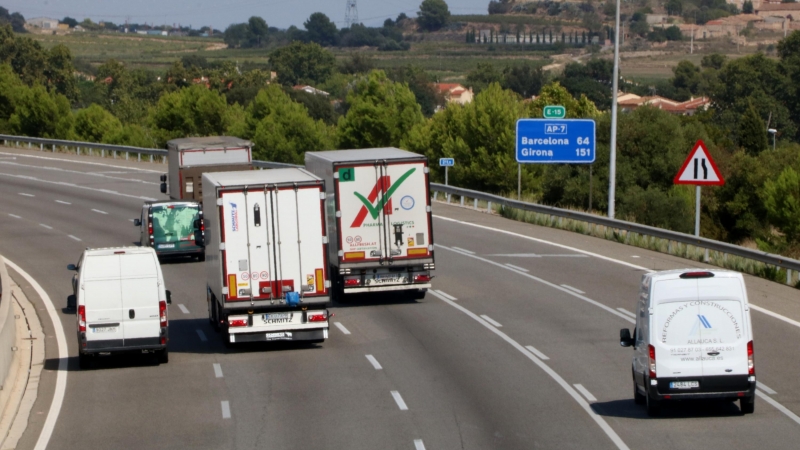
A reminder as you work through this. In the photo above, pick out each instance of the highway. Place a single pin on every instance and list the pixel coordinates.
(516, 348)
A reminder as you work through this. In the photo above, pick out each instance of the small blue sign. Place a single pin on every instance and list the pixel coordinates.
(550, 141)
(447, 162)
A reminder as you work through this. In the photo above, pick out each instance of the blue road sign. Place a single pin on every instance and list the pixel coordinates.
(548, 141)
(447, 162)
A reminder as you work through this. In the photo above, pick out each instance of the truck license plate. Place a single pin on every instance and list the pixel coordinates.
(166, 245)
(277, 318)
(684, 384)
(283, 335)
(104, 329)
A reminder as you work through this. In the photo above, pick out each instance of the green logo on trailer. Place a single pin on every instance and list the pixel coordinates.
(347, 174)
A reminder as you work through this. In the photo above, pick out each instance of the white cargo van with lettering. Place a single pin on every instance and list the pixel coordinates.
(693, 339)
(121, 303)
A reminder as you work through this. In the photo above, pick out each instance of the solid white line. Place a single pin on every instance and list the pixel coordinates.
(778, 406)
(98, 211)
(183, 308)
(775, 315)
(518, 268)
(464, 250)
(547, 283)
(63, 202)
(341, 327)
(625, 311)
(73, 237)
(565, 256)
(81, 162)
(226, 409)
(516, 255)
(418, 445)
(573, 288)
(585, 392)
(539, 354)
(26, 195)
(202, 335)
(63, 357)
(374, 362)
(765, 388)
(446, 295)
(399, 400)
(15, 216)
(77, 186)
(635, 256)
(491, 321)
(552, 373)
(217, 370)
(46, 226)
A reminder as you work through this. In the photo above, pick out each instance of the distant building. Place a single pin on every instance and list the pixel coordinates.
(41, 25)
(455, 93)
(790, 11)
(629, 102)
(310, 90)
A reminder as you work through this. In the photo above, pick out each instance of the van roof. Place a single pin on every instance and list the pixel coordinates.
(366, 154)
(112, 250)
(669, 286)
(261, 177)
(676, 273)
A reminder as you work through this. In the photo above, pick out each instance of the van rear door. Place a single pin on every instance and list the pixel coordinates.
(101, 296)
(721, 326)
(674, 333)
(140, 289)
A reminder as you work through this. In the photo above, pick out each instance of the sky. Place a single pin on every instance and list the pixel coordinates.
(221, 13)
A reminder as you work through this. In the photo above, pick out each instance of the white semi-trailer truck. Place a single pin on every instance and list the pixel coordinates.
(379, 219)
(266, 255)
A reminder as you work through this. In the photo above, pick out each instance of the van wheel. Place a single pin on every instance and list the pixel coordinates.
(84, 361)
(747, 405)
(71, 302)
(653, 407)
(637, 397)
(163, 356)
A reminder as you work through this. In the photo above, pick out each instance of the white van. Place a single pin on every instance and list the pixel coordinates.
(693, 339)
(121, 303)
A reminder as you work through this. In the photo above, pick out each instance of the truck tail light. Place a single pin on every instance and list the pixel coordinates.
(652, 365)
(81, 318)
(238, 322)
(320, 316)
(150, 231)
(751, 363)
(162, 312)
(422, 278)
(352, 282)
(202, 225)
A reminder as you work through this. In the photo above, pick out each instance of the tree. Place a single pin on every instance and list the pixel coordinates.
(41, 114)
(673, 33)
(258, 31)
(482, 76)
(747, 7)
(432, 15)
(10, 86)
(300, 62)
(674, 7)
(357, 63)
(789, 52)
(752, 132)
(69, 21)
(321, 30)
(687, 80)
(60, 73)
(782, 202)
(381, 113)
(26, 56)
(237, 35)
(192, 111)
(427, 96)
(94, 124)
(524, 79)
(713, 61)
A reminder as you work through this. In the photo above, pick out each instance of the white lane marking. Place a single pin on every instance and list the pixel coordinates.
(226, 409)
(99, 212)
(77, 186)
(542, 365)
(183, 308)
(516, 255)
(46, 226)
(635, 256)
(202, 335)
(15, 216)
(80, 162)
(63, 202)
(547, 283)
(465, 250)
(447, 295)
(374, 362)
(217, 370)
(26, 195)
(765, 388)
(63, 357)
(518, 268)
(418, 445)
(572, 288)
(341, 327)
(491, 321)
(585, 392)
(73, 237)
(539, 354)
(778, 406)
(399, 400)
(625, 311)
(775, 315)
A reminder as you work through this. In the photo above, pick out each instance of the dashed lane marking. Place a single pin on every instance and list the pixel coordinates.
(46, 226)
(74, 238)
(15, 216)
(374, 362)
(99, 212)
(522, 269)
(446, 295)
(226, 409)
(341, 327)
(418, 445)
(399, 400)
(464, 250)
(217, 370)
(63, 202)
(202, 335)
(183, 309)
(26, 195)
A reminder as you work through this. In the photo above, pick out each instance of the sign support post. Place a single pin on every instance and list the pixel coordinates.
(697, 211)
(699, 169)
(519, 181)
(446, 162)
(445, 175)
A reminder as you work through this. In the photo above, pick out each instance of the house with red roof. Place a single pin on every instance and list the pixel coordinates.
(455, 93)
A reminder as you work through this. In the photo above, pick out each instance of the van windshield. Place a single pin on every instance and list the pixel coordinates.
(174, 222)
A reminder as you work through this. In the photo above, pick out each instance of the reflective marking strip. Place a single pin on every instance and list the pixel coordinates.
(100, 212)
(374, 362)
(46, 226)
(625, 311)
(446, 295)
(15, 216)
(217, 370)
(26, 195)
(73, 237)
(537, 352)
(572, 288)
(341, 327)
(203, 336)
(585, 392)
(491, 321)
(226, 409)
(418, 445)
(517, 268)
(399, 400)
(464, 250)
(63, 202)
(765, 388)
(183, 309)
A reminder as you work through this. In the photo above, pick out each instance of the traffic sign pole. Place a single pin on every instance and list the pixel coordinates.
(697, 211)
(445, 175)
(519, 181)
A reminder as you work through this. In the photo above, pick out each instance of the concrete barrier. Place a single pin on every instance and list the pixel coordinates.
(8, 329)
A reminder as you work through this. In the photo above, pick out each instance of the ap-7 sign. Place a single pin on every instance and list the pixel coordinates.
(556, 141)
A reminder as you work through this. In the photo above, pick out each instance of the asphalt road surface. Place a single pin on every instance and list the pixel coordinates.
(515, 348)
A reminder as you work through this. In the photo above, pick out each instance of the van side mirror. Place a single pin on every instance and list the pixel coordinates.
(137, 222)
(72, 267)
(163, 178)
(625, 339)
(169, 297)
(163, 188)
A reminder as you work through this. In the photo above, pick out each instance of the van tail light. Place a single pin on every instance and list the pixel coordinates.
(237, 322)
(422, 278)
(317, 316)
(82, 318)
(162, 312)
(352, 282)
(150, 231)
(652, 362)
(751, 363)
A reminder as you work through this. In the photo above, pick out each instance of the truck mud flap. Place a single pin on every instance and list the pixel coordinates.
(277, 336)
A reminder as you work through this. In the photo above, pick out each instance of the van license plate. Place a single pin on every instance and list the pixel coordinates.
(166, 245)
(684, 384)
(104, 329)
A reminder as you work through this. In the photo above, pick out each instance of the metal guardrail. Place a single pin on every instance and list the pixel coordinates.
(783, 262)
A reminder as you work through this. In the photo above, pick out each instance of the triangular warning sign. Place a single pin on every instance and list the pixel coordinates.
(699, 168)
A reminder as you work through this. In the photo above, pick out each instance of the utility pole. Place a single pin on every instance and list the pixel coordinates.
(351, 14)
(612, 182)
